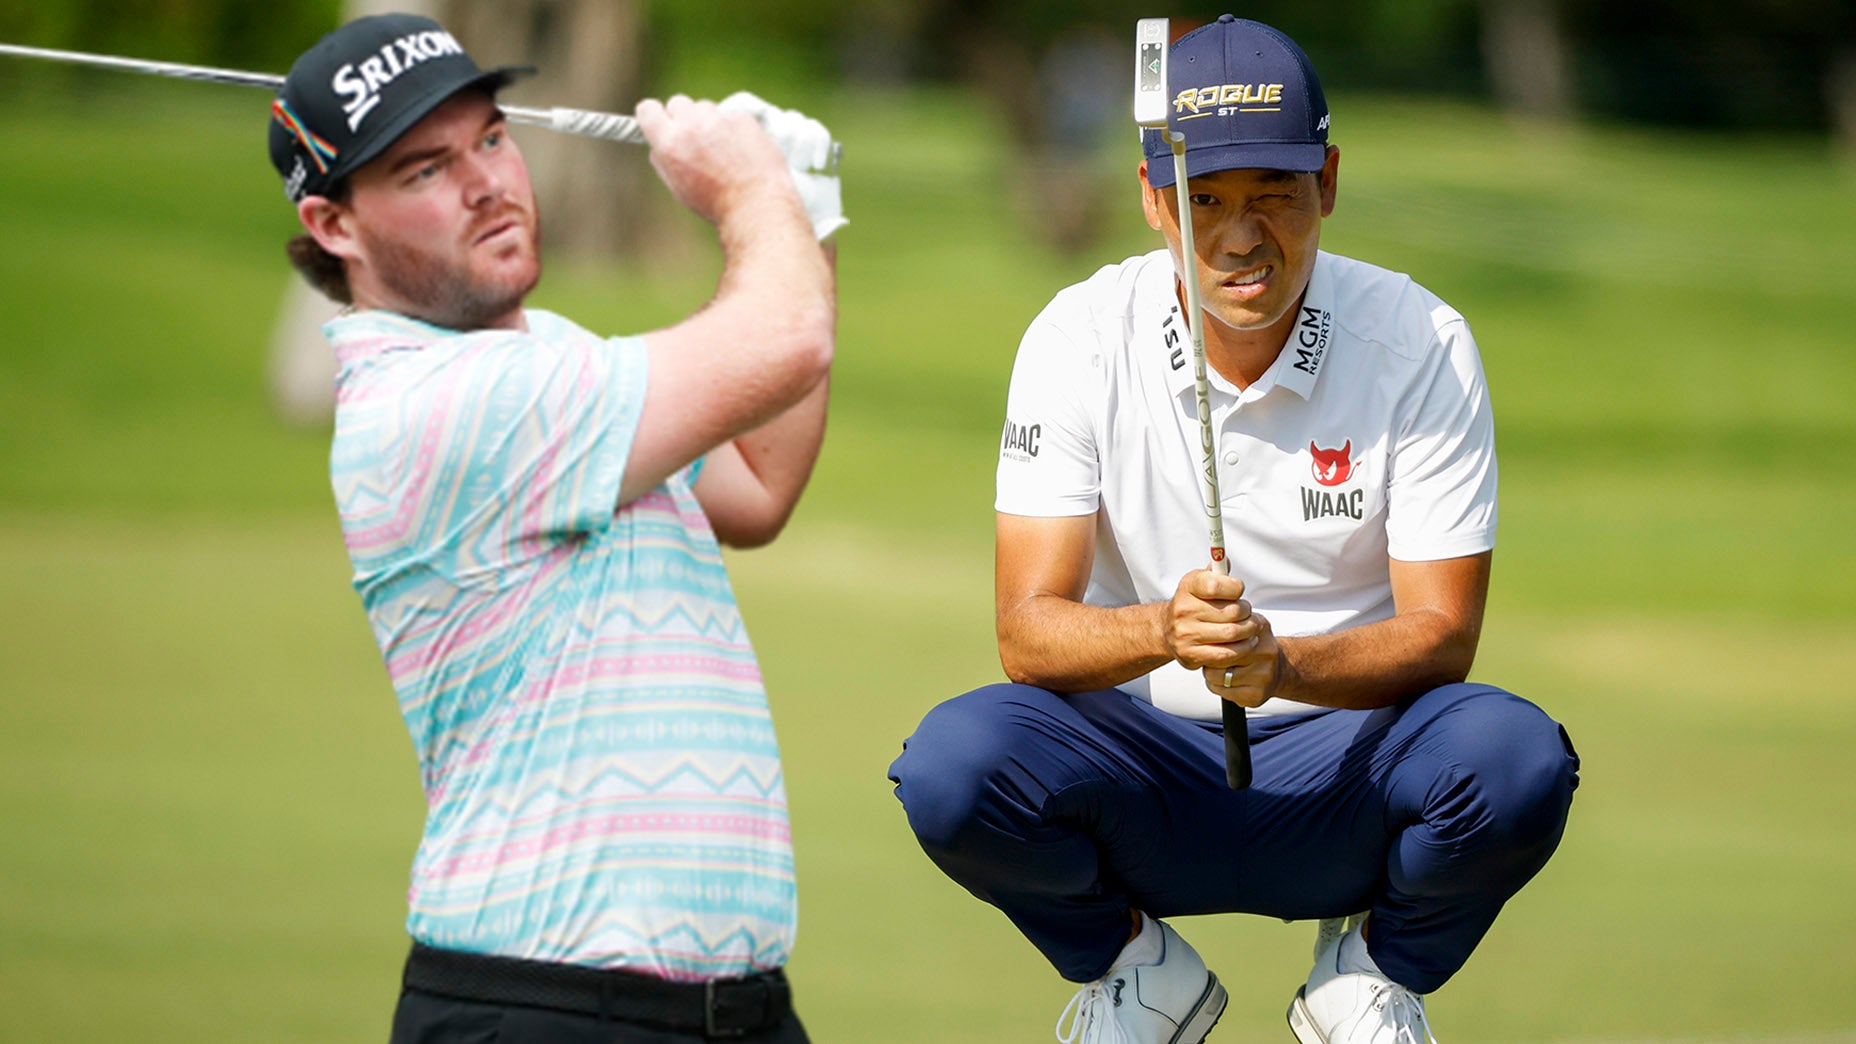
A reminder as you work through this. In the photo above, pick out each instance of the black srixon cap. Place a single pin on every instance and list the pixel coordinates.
(361, 87)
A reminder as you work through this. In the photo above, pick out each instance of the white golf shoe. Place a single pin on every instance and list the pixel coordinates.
(1173, 1000)
(1348, 1000)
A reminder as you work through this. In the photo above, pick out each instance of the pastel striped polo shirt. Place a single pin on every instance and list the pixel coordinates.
(600, 768)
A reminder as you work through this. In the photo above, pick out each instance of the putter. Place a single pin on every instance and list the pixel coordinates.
(1151, 42)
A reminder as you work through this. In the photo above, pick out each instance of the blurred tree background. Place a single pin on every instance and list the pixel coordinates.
(1052, 69)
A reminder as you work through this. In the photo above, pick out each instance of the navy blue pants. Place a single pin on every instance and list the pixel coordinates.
(1066, 811)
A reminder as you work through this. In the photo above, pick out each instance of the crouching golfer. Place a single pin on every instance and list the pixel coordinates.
(533, 514)
(1087, 798)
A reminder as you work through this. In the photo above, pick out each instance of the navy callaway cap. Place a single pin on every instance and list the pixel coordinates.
(1245, 96)
(361, 87)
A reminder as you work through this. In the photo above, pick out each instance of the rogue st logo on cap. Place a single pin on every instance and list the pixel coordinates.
(1226, 97)
(1244, 96)
(358, 89)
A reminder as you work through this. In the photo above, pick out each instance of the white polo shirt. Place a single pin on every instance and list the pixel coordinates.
(1369, 438)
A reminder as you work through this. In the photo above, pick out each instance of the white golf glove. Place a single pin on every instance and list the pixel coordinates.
(808, 149)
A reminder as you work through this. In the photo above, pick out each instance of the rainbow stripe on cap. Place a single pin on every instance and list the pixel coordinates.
(319, 151)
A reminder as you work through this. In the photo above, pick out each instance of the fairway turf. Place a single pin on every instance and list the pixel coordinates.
(208, 804)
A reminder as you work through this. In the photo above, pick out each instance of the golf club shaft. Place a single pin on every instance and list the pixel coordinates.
(1236, 728)
(610, 126)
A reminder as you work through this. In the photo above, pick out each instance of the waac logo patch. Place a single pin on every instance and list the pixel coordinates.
(1332, 466)
(1020, 441)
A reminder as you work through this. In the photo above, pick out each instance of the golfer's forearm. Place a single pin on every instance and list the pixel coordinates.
(781, 452)
(770, 257)
(1378, 664)
(772, 323)
(1066, 646)
(778, 457)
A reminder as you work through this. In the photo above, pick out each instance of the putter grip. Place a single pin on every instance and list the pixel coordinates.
(1236, 746)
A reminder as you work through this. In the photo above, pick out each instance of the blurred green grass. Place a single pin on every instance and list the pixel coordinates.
(207, 803)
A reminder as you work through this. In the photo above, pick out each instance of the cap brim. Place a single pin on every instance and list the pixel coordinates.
(492, 80)
(1306, 157)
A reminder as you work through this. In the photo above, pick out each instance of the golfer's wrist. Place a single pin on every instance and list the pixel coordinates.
(767, 223)
(1285, 680)
(1160, 623)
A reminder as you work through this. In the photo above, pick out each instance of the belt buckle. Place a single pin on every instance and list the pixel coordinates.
(710, 1002)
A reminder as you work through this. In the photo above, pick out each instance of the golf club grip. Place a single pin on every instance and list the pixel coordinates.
(607, 125)
(610, 126)
(1236, 746)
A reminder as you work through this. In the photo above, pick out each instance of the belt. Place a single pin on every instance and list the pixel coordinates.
(717, 1008)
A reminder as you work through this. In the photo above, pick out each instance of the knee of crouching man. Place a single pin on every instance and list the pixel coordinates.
(1539, 773)
(950, 765)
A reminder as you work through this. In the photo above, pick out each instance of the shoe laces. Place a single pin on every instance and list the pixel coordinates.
(1404, 1010)
(1090, 1014)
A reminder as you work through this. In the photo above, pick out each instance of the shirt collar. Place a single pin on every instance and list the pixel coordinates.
(1306, 352)
(360, 335)
(1297, 367)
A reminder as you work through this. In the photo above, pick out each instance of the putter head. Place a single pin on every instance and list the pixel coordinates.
(1150, 47)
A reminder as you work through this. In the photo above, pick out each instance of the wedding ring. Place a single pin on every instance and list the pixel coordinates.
(1230, 676)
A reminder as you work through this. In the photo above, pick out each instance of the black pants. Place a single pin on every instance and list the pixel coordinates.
(448, 997)
(426, 1019)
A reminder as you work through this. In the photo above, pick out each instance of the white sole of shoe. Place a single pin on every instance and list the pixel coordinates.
(1205, 1014)
(1301, 1022)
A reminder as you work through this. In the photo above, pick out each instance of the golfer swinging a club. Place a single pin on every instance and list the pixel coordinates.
(1087, 798)
(533, 513)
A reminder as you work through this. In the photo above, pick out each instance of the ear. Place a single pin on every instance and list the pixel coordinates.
(1330, 180)
(330, 223)
(1150, 201)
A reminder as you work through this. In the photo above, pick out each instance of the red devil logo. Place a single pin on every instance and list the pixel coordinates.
(1332, 467)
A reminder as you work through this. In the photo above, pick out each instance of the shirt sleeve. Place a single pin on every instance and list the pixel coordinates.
(1441, 500)
(528, 438)
(1048, 460)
